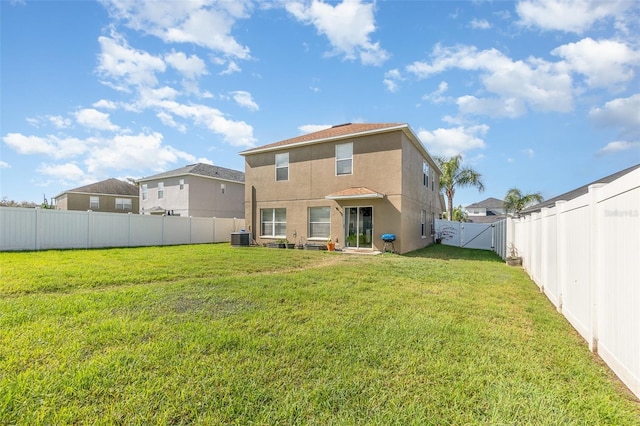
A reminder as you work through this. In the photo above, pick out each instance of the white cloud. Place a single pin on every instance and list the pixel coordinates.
(619, 146)
(517, 85)
(190, 67)
(347, 25)
(59, 121)
(127, 66)
(436, 96)
(94, 119)
(133, 152)
(4, 165)
(231, 69)
(105, 104)
(604, 63)
(310, 128)
(453, 141)
(480, 24)
(207, 23)
(529, 152)
(622, 113)
(168, 120)
(50, 145)
(236, 133)
(574, 16)
(244, 99)
(66, 172)
(391, 79)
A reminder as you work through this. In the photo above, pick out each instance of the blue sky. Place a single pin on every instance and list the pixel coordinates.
(540, 95)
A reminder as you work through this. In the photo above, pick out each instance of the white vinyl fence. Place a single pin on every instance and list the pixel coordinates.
(483, 236)
(42, 229)
(584, 254)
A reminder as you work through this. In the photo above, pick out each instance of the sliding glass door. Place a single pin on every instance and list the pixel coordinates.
(358, 224)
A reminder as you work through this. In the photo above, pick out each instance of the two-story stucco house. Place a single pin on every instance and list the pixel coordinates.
(353, 182)
(199, 190)
(110, 195)
(486, 211)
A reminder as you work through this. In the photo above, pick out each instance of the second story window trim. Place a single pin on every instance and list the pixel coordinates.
(282, 166)
(344, 159)
(160, 190)
(144, 191)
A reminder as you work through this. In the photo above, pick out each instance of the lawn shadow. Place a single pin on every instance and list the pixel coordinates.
(445, 252)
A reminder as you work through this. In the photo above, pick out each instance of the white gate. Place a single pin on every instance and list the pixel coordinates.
(483, 236)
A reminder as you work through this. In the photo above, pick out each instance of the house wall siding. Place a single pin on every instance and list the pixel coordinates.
(387, 163)
(107, 203)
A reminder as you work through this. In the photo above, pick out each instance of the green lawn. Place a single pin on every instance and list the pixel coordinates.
(211, 334)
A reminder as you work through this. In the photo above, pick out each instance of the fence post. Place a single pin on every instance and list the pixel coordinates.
(561, 251)
(213, 237)
(594, 230)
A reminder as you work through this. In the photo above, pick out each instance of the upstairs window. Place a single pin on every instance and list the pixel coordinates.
(145, 191)
(123, 203)
(344, 159)
(425, 174)
(223, 188)
(160, 190)
(282, 166)
(94, 203)
(181, 183)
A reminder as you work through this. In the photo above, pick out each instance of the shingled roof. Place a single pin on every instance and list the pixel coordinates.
(335, 132)
(489, 203)
(109, 186)
(200, 169)
(578, 191)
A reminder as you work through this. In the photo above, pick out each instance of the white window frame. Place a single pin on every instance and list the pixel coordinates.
(425, 174)
(181, 183)
(145, 191)
(264, 213)
(94, 202)
(223, 188)
(160, 190)
(282, 163)
(340, 160)
(123, 204)
(322, 236)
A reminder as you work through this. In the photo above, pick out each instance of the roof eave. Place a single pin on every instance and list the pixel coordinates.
(355, 197)
(322, 140)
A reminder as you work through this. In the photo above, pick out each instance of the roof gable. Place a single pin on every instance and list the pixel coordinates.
(336, 132)
(489, 203)
(200, 169)
(109, 186)
(575, 193)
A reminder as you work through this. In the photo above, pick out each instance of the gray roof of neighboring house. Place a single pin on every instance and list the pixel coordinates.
(578, 191)
(109, 186)
(200, 169)
(489, 203)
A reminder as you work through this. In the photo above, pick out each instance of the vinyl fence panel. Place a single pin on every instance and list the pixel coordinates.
(585, 254)
(43, 229)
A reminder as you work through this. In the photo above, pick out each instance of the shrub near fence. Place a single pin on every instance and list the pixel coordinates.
(41, 229)
(584, 254)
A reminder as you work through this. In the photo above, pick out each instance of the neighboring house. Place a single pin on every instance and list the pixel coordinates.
(199, 190)
(353, 182)
(575, 193)
(111, 195)
(486, 211)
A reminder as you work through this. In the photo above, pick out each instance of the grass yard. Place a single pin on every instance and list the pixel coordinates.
(211, 334)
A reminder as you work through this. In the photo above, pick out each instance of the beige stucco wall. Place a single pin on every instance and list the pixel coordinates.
(387, 163)
(107, 203)
(200, 197)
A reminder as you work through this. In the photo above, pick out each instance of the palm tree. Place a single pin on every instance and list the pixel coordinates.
(516, 201)
(454, 175)
(459, 214)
